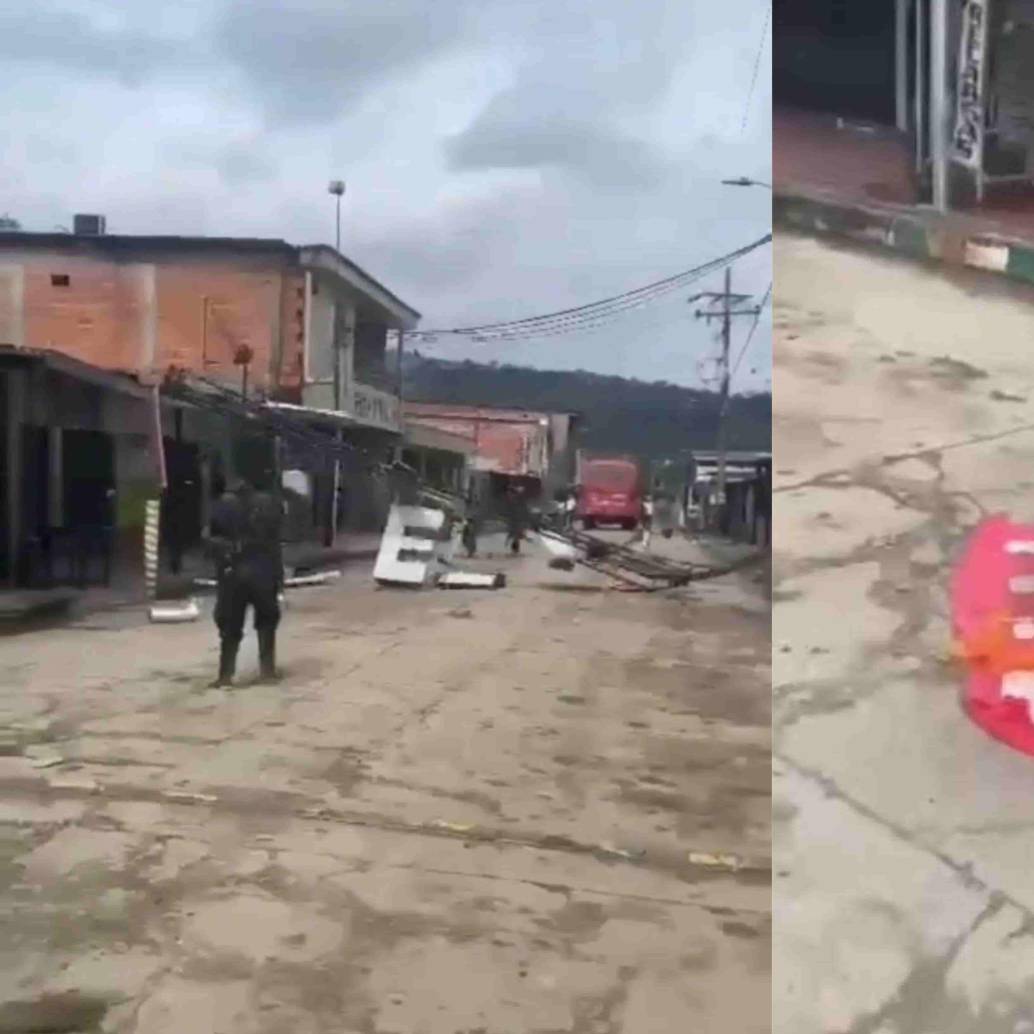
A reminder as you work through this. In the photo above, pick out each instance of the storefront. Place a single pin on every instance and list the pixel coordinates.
(79, 462)
(928, 98)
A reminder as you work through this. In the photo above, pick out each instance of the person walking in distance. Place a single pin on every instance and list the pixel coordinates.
(646, 521)
(469, 532)
(245, 541)
(516, 518)
(570, 506)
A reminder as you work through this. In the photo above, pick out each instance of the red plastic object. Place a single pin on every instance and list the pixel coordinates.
(983, 612)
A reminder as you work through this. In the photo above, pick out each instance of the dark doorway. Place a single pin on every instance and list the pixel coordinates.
(835, 56)
(89, 479)
(82, 547)
(35, 481)
(255, 461)
(35, 509)
(181, 503)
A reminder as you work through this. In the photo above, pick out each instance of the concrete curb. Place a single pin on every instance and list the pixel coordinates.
(922, 235)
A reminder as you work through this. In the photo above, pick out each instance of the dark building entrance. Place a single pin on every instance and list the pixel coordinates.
(181, 504)
(89, 479)
(835, 56)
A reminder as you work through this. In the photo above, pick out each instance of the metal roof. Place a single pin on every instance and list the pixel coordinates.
(70, 367)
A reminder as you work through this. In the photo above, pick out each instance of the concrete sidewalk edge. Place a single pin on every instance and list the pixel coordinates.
(927, 236)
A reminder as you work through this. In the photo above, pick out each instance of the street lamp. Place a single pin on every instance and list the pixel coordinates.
(337, 188)
(746, 181)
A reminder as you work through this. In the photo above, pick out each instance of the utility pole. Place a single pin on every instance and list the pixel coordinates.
(940, 130)
(726, 314)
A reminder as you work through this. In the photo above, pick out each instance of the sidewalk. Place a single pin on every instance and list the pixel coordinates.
(858, 185)
(350, 547)
(954, 239)
(31, 606)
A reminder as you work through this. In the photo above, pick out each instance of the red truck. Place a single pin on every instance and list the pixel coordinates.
(610, 491)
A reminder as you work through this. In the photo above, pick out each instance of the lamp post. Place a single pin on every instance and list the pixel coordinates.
(337, 188)
(746, 181)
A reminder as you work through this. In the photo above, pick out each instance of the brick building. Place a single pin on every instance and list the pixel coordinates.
(533, 448)
(303, 328)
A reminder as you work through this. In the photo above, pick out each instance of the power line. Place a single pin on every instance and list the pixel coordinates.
(590, 321)
(757, 66)
(563, 319)
(753, 327)
(660, 319)
(617, 303)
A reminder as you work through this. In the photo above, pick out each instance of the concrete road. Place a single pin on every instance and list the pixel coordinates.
(544, 809)
(904, 899)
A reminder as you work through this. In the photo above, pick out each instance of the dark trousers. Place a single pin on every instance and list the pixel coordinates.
(237, 591)
(235, 594)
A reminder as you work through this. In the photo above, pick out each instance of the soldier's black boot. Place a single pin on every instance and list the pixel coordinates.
(227, 663)
(267, 655)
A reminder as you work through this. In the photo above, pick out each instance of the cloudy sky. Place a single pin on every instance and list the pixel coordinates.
(503, 158)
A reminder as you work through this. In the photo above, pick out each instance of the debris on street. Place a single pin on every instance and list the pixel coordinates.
(299, 581)
(175, 613)
(411, 547)
(716, 861)
(630, 565)
(471, 580)
(44, 759)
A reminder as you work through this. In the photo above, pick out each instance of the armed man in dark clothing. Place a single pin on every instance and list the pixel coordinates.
(245, 541)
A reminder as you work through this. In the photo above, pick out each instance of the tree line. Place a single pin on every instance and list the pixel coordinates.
(651, 419)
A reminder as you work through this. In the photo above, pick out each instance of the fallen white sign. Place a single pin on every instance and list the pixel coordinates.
(412, 546)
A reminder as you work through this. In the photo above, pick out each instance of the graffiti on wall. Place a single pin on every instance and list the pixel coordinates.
(968, 138)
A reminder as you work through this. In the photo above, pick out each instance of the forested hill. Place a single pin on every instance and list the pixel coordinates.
(650, 419)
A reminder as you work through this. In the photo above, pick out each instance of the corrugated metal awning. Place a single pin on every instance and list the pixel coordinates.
(110, 380)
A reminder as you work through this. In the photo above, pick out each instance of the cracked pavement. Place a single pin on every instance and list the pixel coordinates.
(903, 900)
(461, 813)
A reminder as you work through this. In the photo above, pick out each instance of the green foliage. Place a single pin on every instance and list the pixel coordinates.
(651, 420)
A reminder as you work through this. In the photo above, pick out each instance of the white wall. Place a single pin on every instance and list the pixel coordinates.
(321, 332)
(331, 329)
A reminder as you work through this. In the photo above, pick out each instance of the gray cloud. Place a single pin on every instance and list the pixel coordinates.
(244, 165)
(71, 41)
(516, 139)
(589, 78)
(454, 247)
(238, 163)
(536, 157)
(309, 60)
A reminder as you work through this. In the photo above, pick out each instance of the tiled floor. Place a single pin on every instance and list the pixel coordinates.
(816, 154)
(811, 152)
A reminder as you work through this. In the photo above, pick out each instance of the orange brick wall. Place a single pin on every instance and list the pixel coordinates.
(205, 313)
(97, 318)
(144, 318)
